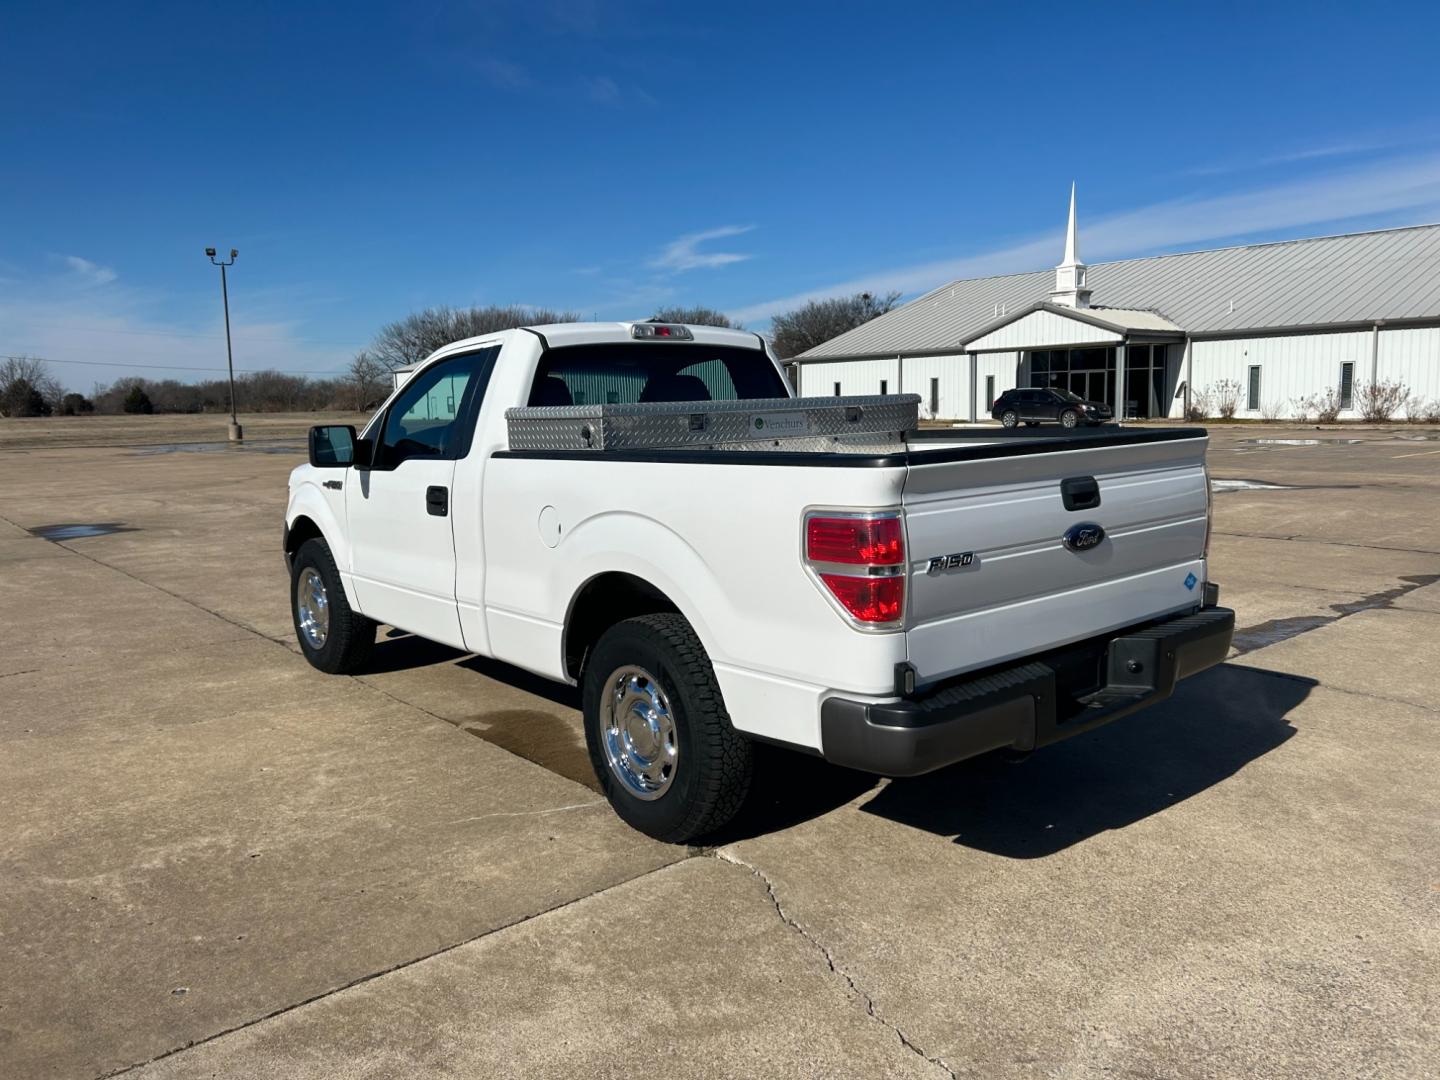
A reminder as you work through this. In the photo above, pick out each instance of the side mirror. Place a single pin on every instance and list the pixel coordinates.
(332, 446)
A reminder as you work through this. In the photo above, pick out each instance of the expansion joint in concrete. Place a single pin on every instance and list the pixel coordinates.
(373, 975)
(854, 988)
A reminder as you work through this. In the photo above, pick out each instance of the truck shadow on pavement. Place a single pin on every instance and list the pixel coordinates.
(1215, 725)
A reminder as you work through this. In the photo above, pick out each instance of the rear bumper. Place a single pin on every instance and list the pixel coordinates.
(1051, 698)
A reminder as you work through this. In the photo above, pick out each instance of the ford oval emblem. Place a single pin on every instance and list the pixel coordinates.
(1083, 537)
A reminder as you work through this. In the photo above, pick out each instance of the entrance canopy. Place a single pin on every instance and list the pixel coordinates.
(1051, 326)
(1116, 355)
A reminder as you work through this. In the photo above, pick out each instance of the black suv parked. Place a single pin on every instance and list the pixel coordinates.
(1034, 407)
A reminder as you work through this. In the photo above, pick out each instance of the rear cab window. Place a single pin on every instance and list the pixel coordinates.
(628, 373)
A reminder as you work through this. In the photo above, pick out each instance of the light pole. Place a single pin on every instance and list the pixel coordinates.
(236, 434)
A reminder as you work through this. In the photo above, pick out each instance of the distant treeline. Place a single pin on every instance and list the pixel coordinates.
(29, 388)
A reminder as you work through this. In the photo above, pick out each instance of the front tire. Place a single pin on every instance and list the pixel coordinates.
(333, 637)
(1009, 418)
(1069, 418)
(660, 741)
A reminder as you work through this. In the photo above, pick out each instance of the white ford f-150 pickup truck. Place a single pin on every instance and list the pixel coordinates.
(645, 510)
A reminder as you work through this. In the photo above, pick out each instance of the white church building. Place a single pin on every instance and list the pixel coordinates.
(1272, 324)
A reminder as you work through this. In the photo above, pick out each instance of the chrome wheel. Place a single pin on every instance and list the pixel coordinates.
(1068, 418)
(638, 732)
(1009, 419)
(312, 607)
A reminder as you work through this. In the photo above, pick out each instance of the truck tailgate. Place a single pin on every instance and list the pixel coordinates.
(1022, 590)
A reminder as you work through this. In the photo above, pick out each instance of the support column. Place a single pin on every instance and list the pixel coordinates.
(1189, 374)
(974, 388)
(1120, 382)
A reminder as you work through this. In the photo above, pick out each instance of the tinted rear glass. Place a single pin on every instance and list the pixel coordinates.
(628, 372)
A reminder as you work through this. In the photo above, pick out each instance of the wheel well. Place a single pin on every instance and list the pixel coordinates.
(303, 529)
(604, 601)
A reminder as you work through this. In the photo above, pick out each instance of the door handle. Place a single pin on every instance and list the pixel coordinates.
(437, 501)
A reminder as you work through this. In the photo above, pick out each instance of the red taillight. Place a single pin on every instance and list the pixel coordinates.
(856, 541)
(861, 561)
(869, 599)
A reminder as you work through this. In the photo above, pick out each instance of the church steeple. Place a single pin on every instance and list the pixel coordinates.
(1071, 289)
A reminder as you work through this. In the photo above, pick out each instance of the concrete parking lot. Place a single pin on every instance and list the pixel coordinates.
(215, 861)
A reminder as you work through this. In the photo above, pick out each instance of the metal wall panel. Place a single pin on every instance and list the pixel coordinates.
(1006, 369)
(854, 377)
(1291, 367)
(1412, 356)
(953, 373)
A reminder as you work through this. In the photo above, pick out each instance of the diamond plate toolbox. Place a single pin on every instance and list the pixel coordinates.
(824, 423)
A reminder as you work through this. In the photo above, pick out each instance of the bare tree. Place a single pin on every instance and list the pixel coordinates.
(1226, 395)
(367, 381)
(35, 373)
(818, 321)
(1199, 408)
(1324, 407)
(416, 336)
(696, 316)
(1380, 401)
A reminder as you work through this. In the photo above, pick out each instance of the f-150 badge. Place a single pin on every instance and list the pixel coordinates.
(950, 562)
(1083, 537)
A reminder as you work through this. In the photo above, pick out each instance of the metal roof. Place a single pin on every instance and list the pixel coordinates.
(1330, 280)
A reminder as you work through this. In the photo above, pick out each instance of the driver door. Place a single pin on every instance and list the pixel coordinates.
(402, 544)
(1030, 405)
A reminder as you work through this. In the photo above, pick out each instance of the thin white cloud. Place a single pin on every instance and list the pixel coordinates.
(87, 271)
(99, 335)
(681, 254)
(1394, 185)
(505, 75)
(603, 90)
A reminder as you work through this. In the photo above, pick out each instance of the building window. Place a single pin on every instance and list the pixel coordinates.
(884, 386)
(934, 398)
(1252, 397)
(1347, 385)
(837, 389)
(990, 389)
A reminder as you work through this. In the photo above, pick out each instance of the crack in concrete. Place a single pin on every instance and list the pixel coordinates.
(1298, 539)
(527, 813)
(854, 988)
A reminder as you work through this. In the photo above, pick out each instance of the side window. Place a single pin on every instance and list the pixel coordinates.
(434, 416)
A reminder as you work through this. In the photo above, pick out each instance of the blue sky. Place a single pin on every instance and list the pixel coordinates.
(612, 157)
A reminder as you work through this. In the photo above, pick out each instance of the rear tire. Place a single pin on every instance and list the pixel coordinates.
(1009, 418)
(333, 637)
(660, 741)
(1069, 418)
